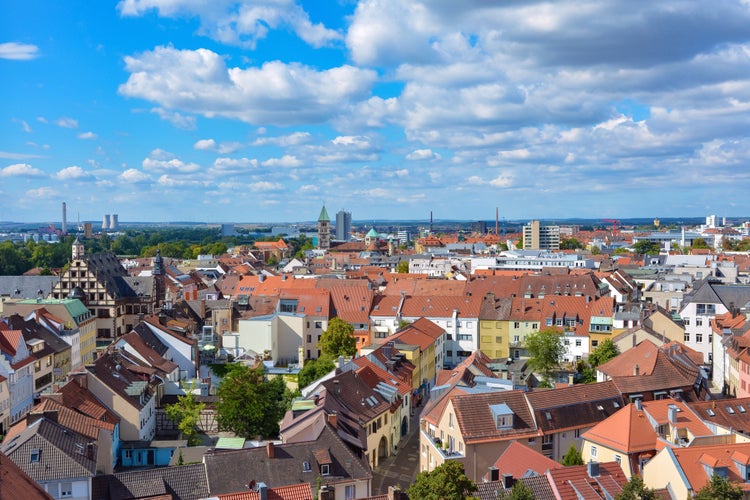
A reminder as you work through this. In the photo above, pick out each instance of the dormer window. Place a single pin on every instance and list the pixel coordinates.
(502, 415)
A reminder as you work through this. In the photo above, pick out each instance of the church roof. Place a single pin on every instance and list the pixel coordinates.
(324, 215)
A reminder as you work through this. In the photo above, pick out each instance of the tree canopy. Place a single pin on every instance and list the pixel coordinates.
(545, 349)
(186, 412)
(520, 491)
(338, 339)
(572, 457)
(313, 370)
(603, 353)
(646, 247)
(446, 482)
(719, 488)
(634, 489)
(249, 405)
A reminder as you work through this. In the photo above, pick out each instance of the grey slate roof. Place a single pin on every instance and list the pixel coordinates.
(63, 453)
(232, 471)
(27, 286)
(187, 482)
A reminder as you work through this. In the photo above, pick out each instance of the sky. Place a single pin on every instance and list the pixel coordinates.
(265, 110)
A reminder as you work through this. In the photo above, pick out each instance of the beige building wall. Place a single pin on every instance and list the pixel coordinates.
(494, 338)
(129, 414)
(605, 454)
(663, 471)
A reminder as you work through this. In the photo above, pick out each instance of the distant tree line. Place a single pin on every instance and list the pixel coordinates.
(181, 243)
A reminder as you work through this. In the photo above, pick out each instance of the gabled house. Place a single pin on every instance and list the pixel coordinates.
(648, 372)
(473, 427)
(324, 461)
(16, 365)
(16, 482)
(182, 347)
(128, 390)
(564, 414)
(684, 471)
(422, 344)
(61, 461)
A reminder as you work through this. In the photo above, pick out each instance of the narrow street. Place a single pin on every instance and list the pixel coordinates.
(401, 468)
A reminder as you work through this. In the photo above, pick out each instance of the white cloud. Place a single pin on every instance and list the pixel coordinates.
(21, 170)
(198, 81)
(234, 165)
(65, 122)
(18, 51)
(285, 161)
(25, 126)
(238, 23)
(42, 193)
(133, 176)
(177, 119)
(87, 135)
(265, 186)
(71, 173)
(205, 145)
(308, 188)
(293, 139)
(163, 161)
(423, 154)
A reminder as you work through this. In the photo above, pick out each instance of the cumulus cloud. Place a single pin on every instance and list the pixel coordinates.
(21, 170)
(236, 22)
(87, 135)
(199, 81)
(423, 154)
(133, 176)
(163, 161)
(73, 172)
(293, 139)
(286, 161)
(41, 193)
(18, 51)
(234, 165)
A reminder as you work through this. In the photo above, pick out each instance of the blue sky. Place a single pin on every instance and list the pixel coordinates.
(260, 111)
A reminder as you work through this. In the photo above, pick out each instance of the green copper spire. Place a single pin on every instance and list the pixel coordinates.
(324, 215)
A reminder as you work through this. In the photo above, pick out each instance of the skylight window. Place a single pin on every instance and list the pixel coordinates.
(741, 408)
(710, 413)
(730, 410)
(35, 455)
(306, 467)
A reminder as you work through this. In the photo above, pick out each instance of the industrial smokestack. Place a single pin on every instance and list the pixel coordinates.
(64, 219)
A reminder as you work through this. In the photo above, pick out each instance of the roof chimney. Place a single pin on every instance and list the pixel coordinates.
(262, 491)
(336, 387)
(593, 469)
(636, 370)
(271, 449)
(672, 414)
(508, 481)
(333, 420)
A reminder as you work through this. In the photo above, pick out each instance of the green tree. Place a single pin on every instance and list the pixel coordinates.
(595, 250)
(570, 244)
(719, 488)
(313, 370)
(402, 267)
(186, 412)
(603, 353)
(249, 405)
(646, 247)
(699, 243)
(338, 339)
(634, 489)
(545, 349)
(520, 491)
(572, 457)
(446, 482)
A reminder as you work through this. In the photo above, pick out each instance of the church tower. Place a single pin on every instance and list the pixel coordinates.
(324, 230)
(157, 271)
(78, 250)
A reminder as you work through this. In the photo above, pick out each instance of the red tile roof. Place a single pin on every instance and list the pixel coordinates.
(569, 482)
(301, 491)
(628, 431)
(691, 460)
(518, 459)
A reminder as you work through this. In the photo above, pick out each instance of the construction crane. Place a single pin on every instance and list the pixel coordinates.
(614, 223)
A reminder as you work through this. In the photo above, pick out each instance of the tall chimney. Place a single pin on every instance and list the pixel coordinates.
(64, 219)
(636, 370)
(271, 449)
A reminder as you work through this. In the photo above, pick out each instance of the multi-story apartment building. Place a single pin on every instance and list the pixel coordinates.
(538, 237)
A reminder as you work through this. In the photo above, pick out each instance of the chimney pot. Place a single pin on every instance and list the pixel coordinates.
(271, 450)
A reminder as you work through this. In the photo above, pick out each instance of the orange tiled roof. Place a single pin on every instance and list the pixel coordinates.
(692, 458)
(686, 419)
(301, 491)
(628, 431)
(517, 459)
